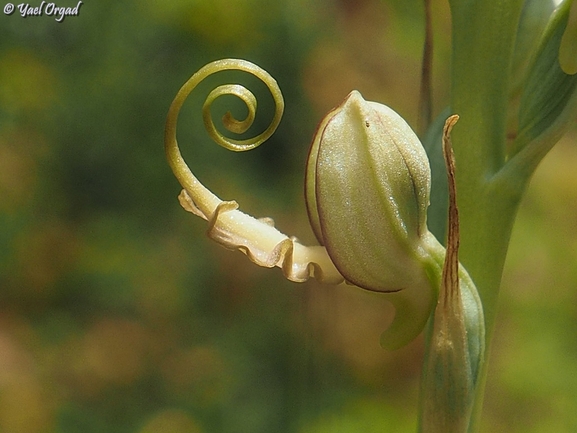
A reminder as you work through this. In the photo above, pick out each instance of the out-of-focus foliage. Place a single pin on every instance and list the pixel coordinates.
(531, 382)
(118, 316)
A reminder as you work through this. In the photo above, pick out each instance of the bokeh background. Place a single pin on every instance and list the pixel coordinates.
(118, 315)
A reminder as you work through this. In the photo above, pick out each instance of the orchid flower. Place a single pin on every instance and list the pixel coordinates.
(367, 188)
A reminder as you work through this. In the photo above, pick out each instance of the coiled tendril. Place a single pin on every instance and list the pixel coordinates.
(179, 167)
(227, 225)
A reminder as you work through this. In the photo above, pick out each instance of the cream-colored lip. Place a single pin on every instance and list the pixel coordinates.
(256, 237)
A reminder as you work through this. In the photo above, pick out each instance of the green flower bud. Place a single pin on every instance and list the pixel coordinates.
(367, 190)
(456, 340)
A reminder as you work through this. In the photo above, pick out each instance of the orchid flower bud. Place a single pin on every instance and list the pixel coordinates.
(367, 191)
(456, 340)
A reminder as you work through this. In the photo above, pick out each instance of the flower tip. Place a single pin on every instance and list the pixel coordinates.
(355, 96)
(354, 102)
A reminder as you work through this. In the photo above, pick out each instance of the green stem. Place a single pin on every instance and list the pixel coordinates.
(483, 42)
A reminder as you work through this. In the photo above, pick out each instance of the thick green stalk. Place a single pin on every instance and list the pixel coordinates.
(483, 41)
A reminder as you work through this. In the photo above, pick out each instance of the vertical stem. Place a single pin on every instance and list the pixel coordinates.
(425, 97)
(483, 40)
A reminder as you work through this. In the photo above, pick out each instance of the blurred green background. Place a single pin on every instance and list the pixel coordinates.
(118, 315)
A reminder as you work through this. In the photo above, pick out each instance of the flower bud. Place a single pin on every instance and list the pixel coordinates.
(367, 190)
(456, 342)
